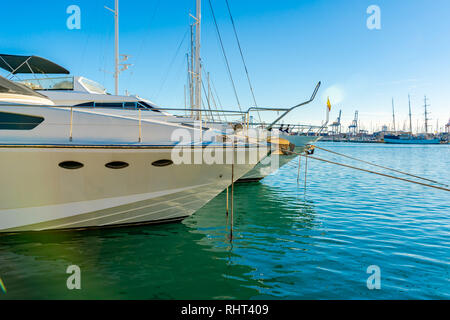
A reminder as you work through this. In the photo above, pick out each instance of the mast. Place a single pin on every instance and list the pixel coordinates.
(426, 114)
(191, 73)
(116, 67)
(393, 114)
(410, 121)
(116, 46)
(198, 67)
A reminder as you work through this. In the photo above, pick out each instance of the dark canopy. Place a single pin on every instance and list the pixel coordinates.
(29, 64)
(10, 87)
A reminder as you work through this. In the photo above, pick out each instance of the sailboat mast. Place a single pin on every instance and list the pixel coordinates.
(198, 67)
(426, 114)
(116, 49)
(116, 45)
(410, 118)
(191, 73)
(393, 114)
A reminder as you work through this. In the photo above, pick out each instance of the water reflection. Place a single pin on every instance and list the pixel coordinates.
(190, 260)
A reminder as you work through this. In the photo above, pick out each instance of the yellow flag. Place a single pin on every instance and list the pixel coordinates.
(329, 104)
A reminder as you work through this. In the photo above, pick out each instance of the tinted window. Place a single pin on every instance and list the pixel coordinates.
(15, 121)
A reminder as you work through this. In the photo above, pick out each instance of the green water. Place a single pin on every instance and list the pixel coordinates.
(289, 243)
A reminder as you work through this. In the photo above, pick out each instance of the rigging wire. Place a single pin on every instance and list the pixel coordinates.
(166, 75)
(144, 40)
(243, 59)
(218, 99)
(215, 104)
(208, 104)
(212, 93)
(225, 56)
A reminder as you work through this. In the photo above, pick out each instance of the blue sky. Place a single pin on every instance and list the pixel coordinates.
(289, 45)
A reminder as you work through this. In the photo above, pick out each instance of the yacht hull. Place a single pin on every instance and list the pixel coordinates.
(36, 194)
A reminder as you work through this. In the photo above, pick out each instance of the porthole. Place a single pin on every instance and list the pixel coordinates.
(117, 165)
(162, 163)
(71, 165)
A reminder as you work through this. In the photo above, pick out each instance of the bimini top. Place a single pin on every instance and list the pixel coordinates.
(29, 64)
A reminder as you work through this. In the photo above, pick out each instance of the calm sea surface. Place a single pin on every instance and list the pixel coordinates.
(290, 243)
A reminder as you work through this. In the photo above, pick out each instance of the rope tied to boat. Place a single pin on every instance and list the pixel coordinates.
(369, 171)
(379, 166)
(232, 193)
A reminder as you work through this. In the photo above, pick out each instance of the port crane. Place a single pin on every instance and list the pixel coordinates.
(353, 128)
(336, 126)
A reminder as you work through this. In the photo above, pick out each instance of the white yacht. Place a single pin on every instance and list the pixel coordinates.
(85, 95)
(73, 168)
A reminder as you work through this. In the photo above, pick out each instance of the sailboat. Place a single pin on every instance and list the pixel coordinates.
(410, 138)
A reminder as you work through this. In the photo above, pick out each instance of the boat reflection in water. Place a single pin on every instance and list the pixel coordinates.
(193, 259)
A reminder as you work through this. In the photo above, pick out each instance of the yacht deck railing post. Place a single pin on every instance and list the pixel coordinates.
(140, 126)
(71, 125)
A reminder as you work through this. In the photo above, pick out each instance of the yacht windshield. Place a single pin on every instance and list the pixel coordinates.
(10, 87)
(60, 83)
(93, 86)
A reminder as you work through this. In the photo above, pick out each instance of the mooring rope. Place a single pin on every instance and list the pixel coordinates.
(376, 165)
(232, 194)
(369, 171)
(306, 170)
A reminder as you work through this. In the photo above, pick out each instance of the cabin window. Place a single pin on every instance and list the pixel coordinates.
(85, 104)
(117, 165)
(92, 104)
(71, 165)
(15, 121)
(143, 105)
(112, 105)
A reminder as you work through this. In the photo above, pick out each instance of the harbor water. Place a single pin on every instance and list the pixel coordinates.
(289, 242)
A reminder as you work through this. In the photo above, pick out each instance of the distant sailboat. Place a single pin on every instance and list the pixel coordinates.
(410, 138)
